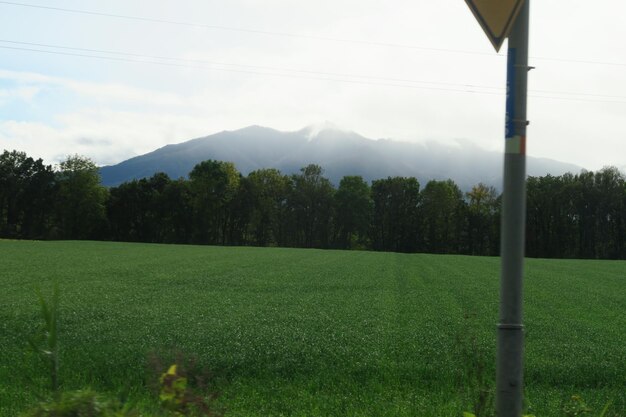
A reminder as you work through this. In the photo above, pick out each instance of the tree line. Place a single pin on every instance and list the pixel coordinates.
(568, 216)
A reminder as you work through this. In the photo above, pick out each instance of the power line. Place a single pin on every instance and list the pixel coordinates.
(294, 35)
(239, 29)
(200, 61)
(579, 61)
(577, 99)
(345, 77)
(339, 80)
(173, 64)
(579, 94)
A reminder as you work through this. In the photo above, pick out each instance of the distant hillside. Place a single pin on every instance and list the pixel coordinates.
(339, 152)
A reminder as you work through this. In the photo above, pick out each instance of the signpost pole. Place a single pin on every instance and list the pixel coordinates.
(510, 329)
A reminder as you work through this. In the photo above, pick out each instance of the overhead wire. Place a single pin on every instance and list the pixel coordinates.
(271, 68)
(294, 35)
(173, 64)
(239, 29)
(299, 73)
(286, 72)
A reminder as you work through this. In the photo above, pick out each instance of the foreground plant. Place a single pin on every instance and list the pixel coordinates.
(177, 396)
(82, 403)
(578, 407)
(45, 344)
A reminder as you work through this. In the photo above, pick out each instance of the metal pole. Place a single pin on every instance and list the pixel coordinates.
(510, 329)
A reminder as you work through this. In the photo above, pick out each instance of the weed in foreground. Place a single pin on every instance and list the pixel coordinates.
(45, 343)
(577, 407)
(179, 388)
(82, 403)
(177, 396)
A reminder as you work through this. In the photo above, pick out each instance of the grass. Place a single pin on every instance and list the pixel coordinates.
(307, 332)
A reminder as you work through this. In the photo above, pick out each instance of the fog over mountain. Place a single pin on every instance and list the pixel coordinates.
(337, 151)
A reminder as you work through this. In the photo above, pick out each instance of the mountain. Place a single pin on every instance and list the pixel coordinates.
(337, 151)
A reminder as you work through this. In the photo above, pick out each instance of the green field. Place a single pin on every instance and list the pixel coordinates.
(310, 332)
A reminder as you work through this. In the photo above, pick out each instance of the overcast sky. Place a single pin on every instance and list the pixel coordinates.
(412, 70)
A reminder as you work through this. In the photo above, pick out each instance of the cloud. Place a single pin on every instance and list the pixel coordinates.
(107, 122)
(116, 92)
(106, 136)
(23, 93)
(93, 142)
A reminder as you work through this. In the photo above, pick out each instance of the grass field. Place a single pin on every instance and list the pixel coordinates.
(309, 332)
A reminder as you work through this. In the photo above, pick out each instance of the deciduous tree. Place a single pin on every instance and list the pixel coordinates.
(353, 212)
(80, 207)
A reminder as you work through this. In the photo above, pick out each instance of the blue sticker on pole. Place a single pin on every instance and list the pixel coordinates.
(509, 126)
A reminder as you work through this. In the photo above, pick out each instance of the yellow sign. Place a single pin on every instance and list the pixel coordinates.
(496, 17)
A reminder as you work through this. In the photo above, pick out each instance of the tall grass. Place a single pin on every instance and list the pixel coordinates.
(45, 343)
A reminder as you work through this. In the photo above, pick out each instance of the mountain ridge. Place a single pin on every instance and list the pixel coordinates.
(338, 152)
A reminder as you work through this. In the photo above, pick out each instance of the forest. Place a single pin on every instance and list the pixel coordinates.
(579, 215)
